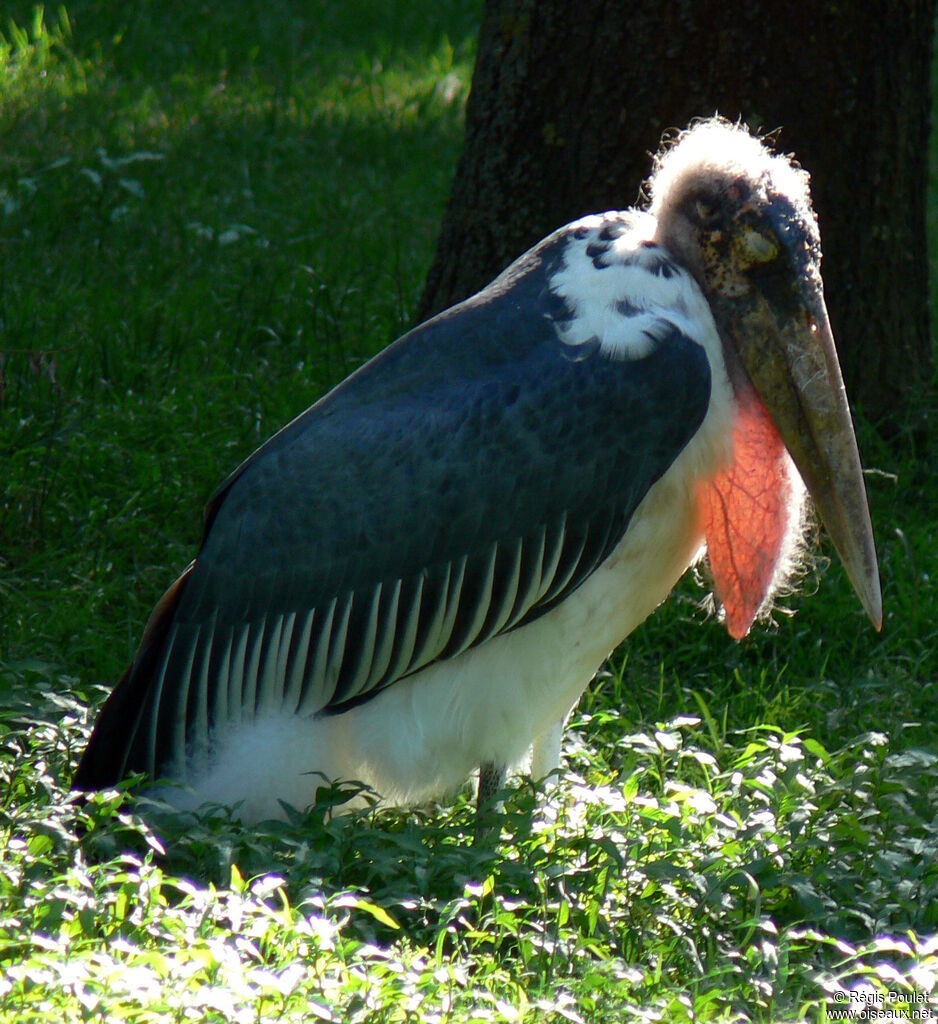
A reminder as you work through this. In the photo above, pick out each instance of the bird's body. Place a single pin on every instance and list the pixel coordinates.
(421, 574)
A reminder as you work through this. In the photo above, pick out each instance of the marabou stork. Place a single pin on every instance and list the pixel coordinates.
(421, 573)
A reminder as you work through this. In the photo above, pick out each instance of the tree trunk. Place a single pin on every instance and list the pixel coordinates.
(570, 99)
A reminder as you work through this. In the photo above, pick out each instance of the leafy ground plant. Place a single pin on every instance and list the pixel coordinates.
(207, 219)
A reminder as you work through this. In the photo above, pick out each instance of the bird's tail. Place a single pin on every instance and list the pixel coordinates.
(106, 759)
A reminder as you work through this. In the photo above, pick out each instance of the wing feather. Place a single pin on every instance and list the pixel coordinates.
(168, 741)
(359, 644)
(284, 654)
(238, 671)
(387, 626)
(314, 677)
(196, 718)
(298, 660)
(337, 640)
(218, 708)
(530, 569)
(555, 538)
(571, 549)
(268, 695)
(471, 603)
(504, 589)
(439, 606)
(151, 721)
(404, 636)
(252, 664)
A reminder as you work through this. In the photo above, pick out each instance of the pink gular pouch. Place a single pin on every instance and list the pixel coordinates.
(751, 512)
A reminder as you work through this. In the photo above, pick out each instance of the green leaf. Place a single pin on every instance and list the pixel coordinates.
(378, 913)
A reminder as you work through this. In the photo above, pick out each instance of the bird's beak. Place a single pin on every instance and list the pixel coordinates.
(787, 349)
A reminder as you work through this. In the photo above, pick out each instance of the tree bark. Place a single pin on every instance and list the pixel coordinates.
(569, 101)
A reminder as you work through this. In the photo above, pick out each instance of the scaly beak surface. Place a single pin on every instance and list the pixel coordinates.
(792, 362)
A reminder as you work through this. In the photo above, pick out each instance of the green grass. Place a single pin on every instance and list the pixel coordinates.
(207, 217)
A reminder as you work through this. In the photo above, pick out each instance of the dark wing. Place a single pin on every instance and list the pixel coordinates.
(454, 488)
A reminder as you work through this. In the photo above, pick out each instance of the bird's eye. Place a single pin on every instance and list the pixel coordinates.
(705, 212)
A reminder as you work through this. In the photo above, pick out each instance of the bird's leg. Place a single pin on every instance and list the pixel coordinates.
(545, 754)
(492, 778)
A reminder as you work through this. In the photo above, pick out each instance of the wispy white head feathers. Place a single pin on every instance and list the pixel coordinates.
(715, 149)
